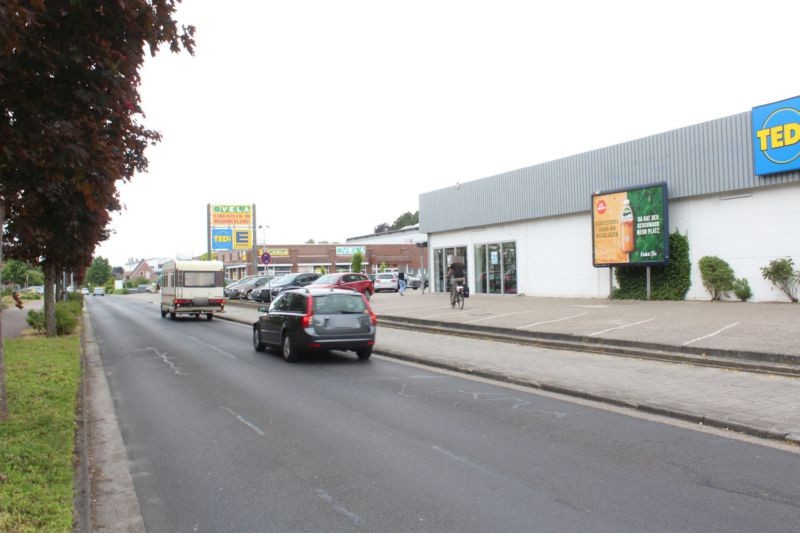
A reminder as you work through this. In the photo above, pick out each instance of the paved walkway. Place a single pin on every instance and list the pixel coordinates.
(761, 405)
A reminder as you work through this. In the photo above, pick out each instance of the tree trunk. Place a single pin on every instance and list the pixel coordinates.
(3, 392)
(49, 300)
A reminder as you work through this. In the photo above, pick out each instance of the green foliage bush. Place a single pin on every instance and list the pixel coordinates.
(741, 288)
(782, 274)
(670, 282)
(717, 276)
(67, 314)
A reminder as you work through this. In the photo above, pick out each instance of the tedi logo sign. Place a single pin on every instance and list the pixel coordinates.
(776, 137)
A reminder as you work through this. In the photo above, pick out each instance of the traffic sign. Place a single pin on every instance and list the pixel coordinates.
(266, 258)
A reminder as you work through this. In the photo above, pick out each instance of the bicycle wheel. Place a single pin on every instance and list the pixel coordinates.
(453, 299)
(460, 300)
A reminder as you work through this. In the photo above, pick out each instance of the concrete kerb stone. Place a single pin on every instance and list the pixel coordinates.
(745, 360)
(648, 408)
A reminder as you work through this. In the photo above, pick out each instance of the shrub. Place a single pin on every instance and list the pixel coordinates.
(782, 274)
(717, 276)
(742, 289)
(67, 314)
(670, 282)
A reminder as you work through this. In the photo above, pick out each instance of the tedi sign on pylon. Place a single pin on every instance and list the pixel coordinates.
(776, 137)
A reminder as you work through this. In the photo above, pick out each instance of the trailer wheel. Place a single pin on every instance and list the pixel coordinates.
(209, 316)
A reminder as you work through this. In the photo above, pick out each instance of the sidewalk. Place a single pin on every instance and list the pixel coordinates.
(766, 406)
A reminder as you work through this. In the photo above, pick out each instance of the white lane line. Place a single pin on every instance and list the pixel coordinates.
(551, 321)
(720, 330)
(621, 327)
(499, 316)
(223, 352)
(327, 498)
(241, 419)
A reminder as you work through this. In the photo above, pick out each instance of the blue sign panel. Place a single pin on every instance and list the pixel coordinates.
(776, 137)
(222, 240)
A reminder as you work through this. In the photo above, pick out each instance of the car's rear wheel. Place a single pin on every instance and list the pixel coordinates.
(364, 353)
(172, 315)
(289, 351)
(257, 344)
(163, 313)
(209, 316)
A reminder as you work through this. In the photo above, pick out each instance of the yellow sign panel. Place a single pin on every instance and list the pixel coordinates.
(242, 239)
(275, 252)
(609, 247)
(231, 215)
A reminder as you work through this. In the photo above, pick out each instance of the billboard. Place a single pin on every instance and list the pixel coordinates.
(222, 239)
(776, 137)
(242, 238)
(231, 215)
(630, 226)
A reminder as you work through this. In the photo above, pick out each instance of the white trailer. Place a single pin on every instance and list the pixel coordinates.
(192, 288)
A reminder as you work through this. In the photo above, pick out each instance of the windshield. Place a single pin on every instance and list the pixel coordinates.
(284, 280)
(330, 278)
(338, 304)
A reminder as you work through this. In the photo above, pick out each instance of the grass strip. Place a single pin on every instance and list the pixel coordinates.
(37, 440)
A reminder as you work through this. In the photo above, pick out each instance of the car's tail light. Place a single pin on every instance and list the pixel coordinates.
(373, 318)
(306, 322)
(182, 301)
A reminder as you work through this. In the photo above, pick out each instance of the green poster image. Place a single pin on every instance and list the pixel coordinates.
(649, 217)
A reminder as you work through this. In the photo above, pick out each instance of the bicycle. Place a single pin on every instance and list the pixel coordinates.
(457, 297)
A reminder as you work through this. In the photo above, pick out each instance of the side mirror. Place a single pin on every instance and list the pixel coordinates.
(263, 309)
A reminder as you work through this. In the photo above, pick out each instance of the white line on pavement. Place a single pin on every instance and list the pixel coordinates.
(241, 419)
(623, 326)
(720, 330)
(499, 316)
(551, 321)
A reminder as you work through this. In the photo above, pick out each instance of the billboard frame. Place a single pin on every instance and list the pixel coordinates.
(665, 217)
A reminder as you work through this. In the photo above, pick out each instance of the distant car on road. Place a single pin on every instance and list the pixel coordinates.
(346, 280)
(85, 291)
(99, 291)
(309, 319)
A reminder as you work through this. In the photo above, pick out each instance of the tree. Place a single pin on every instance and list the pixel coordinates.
(310, 241)
(406, 219)
(15, 272)
(381, 228)
(99, 273)
(358, 260)
(717, 276)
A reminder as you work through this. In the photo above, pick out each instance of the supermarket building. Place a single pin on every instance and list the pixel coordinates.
(733, 188)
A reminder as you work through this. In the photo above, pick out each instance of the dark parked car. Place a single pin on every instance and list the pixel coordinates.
(243, 289)
(347, 280)
(311, 319)
(288, 281)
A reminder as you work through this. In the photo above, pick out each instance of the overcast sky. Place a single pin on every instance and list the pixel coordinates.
(334, 116)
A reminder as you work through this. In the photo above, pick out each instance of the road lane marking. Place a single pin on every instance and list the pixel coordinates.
(241, 419)
(499, 316)
(622, 326)
(223, 352)
(720, 330)
(551, 321)
(327, 498)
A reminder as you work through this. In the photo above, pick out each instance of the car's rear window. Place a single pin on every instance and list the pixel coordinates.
(336, 304)
(330, 278)
(385, 276)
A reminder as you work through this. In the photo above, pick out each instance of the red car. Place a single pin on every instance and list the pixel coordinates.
(346, 280)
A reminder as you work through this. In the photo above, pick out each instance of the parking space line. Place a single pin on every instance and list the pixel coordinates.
(551, 321)
(621, 327)
(499, 316)
(720, 330)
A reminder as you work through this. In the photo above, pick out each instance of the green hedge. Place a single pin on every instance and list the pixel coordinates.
(670, 282)
(67, 315)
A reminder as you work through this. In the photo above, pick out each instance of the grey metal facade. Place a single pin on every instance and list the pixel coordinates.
(709, 158)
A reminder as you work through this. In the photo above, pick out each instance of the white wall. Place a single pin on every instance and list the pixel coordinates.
(554, 255)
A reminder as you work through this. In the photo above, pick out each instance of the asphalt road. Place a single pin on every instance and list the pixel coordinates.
(222, 438)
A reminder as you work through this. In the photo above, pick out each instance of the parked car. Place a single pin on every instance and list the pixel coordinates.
(413, 282)
(284, 283)
(242, 290)
(311, 319)
(346, 280)
(386, 281)
(85, 291)
(236, 283)
(99, 291)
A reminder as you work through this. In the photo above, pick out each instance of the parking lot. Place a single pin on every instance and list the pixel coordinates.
(755, 327)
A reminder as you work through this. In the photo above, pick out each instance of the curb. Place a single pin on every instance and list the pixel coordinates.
(696, 418)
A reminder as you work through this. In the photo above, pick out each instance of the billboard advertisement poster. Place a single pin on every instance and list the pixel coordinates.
(231, 215)
(630, 226)
(776, 137)
(222, 239)
(242, 239)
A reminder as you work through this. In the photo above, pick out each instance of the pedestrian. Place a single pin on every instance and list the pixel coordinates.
(401, 282)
